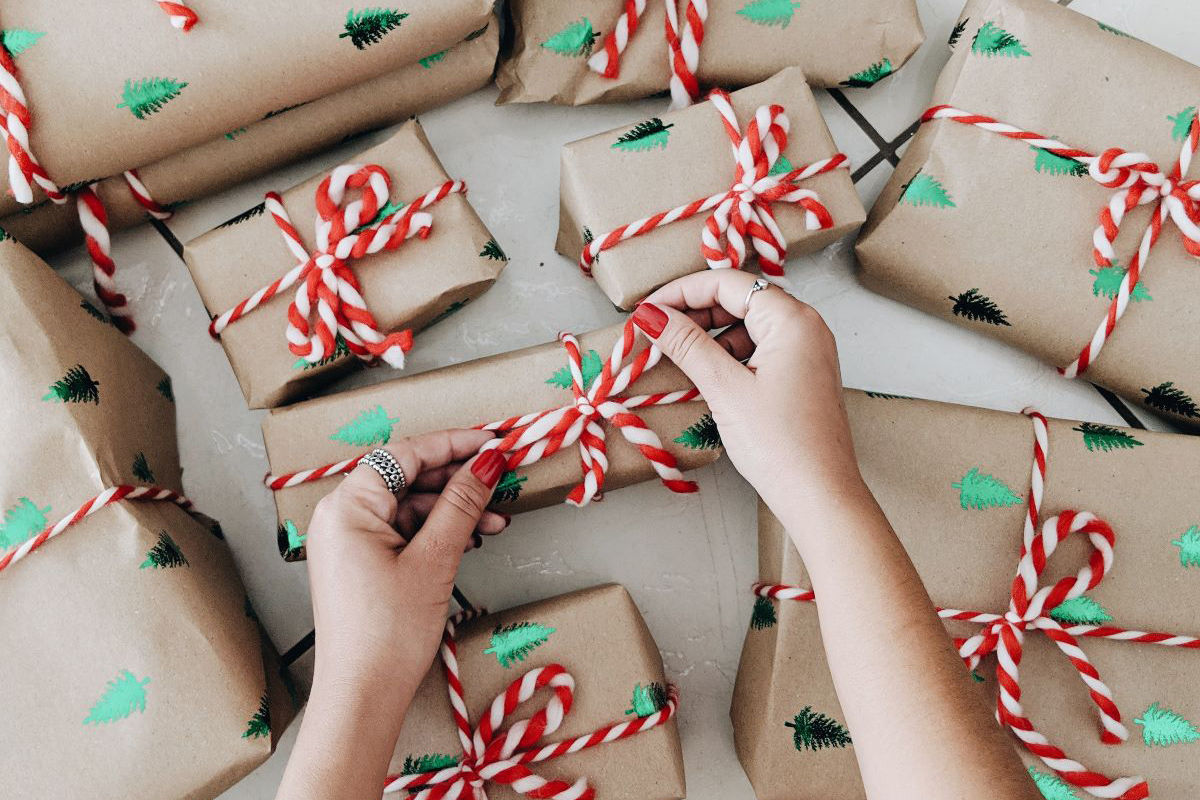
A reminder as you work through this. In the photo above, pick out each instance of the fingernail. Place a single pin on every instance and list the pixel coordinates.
(651, 319)
(507, 519)
(488, 467)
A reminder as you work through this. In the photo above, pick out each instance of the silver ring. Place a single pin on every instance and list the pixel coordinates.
(388, 468)
(759, 285)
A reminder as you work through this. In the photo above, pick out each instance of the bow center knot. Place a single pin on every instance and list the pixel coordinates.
(745, 193)
(585, 407)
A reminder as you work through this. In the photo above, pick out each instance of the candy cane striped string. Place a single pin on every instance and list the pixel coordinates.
(683, 46)
(743, 210)
(143, 197)
(181, 16)
(102, 500)
(499, 755)
(329, 289)
(1138, 181)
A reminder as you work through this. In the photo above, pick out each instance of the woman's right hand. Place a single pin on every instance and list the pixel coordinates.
(771, 380)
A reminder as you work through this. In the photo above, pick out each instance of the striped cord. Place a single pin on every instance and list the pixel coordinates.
(683, 46)
(182, 17)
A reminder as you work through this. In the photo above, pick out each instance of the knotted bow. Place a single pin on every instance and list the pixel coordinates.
(493, 753)
(745, 209)
(328, 304)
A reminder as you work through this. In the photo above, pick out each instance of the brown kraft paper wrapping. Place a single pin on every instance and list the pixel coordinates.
(283, 137)
(409, 287)
(967, 558)
(90, 605)
(478, 392)
(268, 55)
(605, 187)
(998, 238)
(850, 43)
(601, 639)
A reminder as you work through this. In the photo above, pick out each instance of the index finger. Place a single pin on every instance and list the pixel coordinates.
(719, 292)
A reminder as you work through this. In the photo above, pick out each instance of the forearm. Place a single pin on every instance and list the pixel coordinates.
(918, 726)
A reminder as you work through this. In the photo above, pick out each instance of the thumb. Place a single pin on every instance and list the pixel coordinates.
(702, 360)
(451, 522)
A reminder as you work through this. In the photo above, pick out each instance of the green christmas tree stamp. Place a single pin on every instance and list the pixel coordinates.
(493, 251)
(429, 762)
(248, 214)
(22, 522)
(925, 190)
(1188, 544)
(991, 40)
(340, 350)
(124, 695)
(1049, 163)
(259, 725)
(1081, 610)
(141, 469)
(956, 34)
(166, 554)
(435, 58)
(771, 13)
(1181, 123)
(509, 488)
(148, 95)
(978, 308)
(164, 388)
(980, 491)
(372, 426)
(886, 396)
(763, 616)
(1169, 398)
(18, 40)
(1051, 786)
(590, 366)
(290, 540)
(93, 312)
(870, 76)
(1113, 31)
(1107, 283)
(1162, 727)
(77, 386)
(783, 165)
(1105, 438)
(515, 642)
(576, 39)
(449, 311)
(647, 700)
(815, 731)
(368, 26)
(703, 435)
(653, 134)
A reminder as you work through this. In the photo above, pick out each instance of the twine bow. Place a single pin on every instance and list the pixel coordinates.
(328, 304)
(1138, 181)
(745, 208)
(496, 754)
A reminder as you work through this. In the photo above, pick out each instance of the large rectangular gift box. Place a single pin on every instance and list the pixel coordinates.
(133, 665)
(849, 43)
(999, 234)
(310, 443)
(590, 650)
(613, 181)
(954, 482)
(283, 136)
(411, 287)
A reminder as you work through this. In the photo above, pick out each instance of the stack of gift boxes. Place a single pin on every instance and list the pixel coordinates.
(348, 267)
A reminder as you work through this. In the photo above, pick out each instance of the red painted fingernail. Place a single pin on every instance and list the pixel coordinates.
(489, 467)
(651, 319)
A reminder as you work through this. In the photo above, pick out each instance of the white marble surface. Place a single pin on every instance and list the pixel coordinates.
(688, 561)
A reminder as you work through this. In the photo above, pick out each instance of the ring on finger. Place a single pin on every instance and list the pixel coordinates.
(758, 285)
(387, 467)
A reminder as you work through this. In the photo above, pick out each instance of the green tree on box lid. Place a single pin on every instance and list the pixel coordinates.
(1054, 164)
(653, 134)
(980, 491)
(493, 251)
(1081, 610)
(509, 487)
(1105, 437)
(577, 39)
(925, 190)
(1171, 399)
(870, 76)
(340, 350)
(956, 34)
(165, 554)
(774, 13)
(259, 726)
(290, 540)
(372, 426)
(148, 95)
(94, 312)
(249, 213)
(978, 308)
(703, 435)
(369, 26)
(1162, 727)
(647, 700)
(429, 762)
(428, 61)
(18, 40)
(164, 388)
(1112, 30)
(385, 211)
(1051, 786)
(992, 40)
(1181, 123)
(1188, 544)
(886, 396)
(815, 731)
(783, 165)
(125, 694)
(450, 310)
(76, 386)
(516, 641)
(141, 470)
(22, 522)
(1108, 280)
(763, 616)
(590, 366)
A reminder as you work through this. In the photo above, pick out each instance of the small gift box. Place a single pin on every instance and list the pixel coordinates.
(574, 396)
(131, 653)
(587, 668)
(1105, 590)
(584, 51)
(293, 311)
(651, 202)
(1016, 213)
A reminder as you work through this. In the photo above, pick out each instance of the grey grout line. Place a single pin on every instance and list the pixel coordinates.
(885, 148)
(168, 235)
(1120, 407)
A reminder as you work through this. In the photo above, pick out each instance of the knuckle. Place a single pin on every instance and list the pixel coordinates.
(464, 499)
(683, 341)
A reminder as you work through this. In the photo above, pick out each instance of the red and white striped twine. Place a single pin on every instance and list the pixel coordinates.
(530, 438)
(743, 210)
(182, 17)
(495, 754)
(102, 500)
(683, 46)
(1138, 181)
(329, 289)
(1029, 610)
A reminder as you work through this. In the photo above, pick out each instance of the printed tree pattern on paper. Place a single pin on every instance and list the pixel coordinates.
(886, 396)
(290, 540)
(1081, 610)
(148, 95)
(76, 386)
(369, 26)
(649, 135)
(516, 641)
(1107, 284)
(165, 554)
(815, 731)
(94, 312)
(959, 29)
(451, 310)
(783, 165)
(1053, 164)
(5, 236)
(703, 435)
(1112, 30)
(978, 308)
(647, 700)
(1105, 438)
(1188, 544)
(141, 469)
(493, 251)
(125, 694)
(22, 522)
(164, 388)
(590, 364)
(509, 487)
(975, 676)
(979, 490)
(340, 350)
(430, 762)
(372, 426)
(774, 13)
(283, 110)
(992, 40)
(18, 40)
(1051, 786)
(389, 208)
(926, 190)
(428, 61)
(577, 39)
(259, 726)
(475, 34)
(763, 616)
(1162, 727)
(870, 76)
(1181, 123)
(236, 132)
(1171, 399)
(249, 213)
